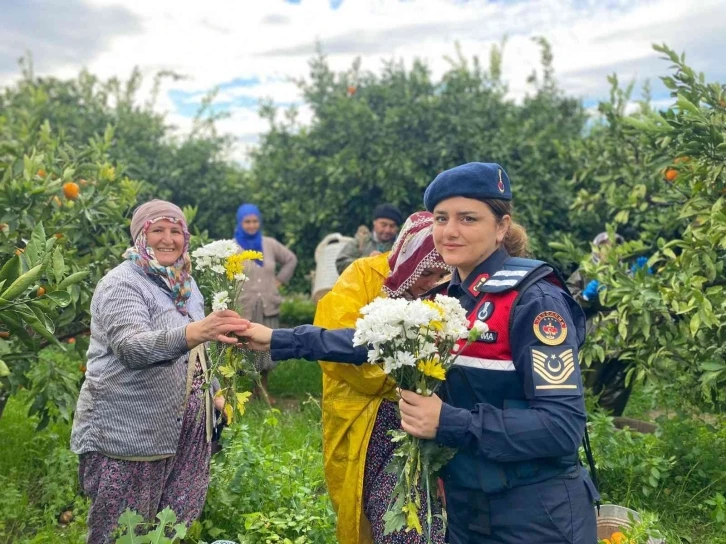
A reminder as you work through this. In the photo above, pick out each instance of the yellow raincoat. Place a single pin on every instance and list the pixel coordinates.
(351, 397)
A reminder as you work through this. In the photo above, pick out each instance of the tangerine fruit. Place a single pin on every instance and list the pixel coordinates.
(671, 174)
(41, 173)
(71, 340)
(71, 190)
(4, 334)
(41, 291)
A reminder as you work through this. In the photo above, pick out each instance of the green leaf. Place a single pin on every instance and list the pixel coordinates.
(59, 265)
(22, 283)
(128, 522)
(59, 298)
(4, 370)
(695, 323)
(11, 269)
(76, 277)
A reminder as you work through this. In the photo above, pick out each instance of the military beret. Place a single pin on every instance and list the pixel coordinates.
(478, 180)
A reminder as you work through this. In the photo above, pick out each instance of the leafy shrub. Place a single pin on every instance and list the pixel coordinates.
(677, 472)
(268, 485)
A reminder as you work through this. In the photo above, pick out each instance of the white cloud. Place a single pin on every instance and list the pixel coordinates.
(216, 42)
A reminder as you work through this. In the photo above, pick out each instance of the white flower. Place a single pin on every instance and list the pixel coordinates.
(403, 358)
(220, 301)
(456, 348)
(218, 268)
(240, 277)
(480, 327)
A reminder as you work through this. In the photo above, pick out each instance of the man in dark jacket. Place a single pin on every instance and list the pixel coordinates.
(387, 220)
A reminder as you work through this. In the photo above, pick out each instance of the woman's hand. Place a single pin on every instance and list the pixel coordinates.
(216, 326)
(419, 414)
(219, 402)
(258, 337)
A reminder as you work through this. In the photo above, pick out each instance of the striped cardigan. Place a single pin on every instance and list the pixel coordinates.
(133, 400)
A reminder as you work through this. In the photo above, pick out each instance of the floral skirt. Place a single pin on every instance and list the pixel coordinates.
(179, 482)
(378, 484)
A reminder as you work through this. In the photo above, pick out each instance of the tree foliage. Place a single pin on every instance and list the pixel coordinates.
(383, 137)
(658, 177)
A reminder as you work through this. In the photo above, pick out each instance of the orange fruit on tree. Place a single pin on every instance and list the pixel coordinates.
(41, 173)
(671, 174)
(71, 190)
(41, 291)
(71, 340)
(351, 90)
(4, 334)
(679, 160)
(58, 235)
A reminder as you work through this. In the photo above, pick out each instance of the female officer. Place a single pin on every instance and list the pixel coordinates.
(513, 403)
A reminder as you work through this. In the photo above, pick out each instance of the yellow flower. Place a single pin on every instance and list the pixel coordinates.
(436, 325)
(235, 264)
(432, 368)
(432, 304)
(250, 255)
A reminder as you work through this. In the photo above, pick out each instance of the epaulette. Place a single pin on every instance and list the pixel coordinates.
(518, 272)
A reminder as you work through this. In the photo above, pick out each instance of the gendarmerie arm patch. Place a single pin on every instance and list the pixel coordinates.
(554, 371)
(550, 328)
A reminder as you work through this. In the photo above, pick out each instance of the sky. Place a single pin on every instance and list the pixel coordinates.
(253, 49)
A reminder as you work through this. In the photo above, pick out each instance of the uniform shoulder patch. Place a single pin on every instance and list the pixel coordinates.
(554, 371)
(550, 328)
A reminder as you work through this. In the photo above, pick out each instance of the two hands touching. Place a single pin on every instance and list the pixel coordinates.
(419, 414)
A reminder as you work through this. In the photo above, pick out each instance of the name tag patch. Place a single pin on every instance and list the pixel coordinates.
(489, 337)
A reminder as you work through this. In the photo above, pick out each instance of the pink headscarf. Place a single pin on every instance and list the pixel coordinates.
(412, 253)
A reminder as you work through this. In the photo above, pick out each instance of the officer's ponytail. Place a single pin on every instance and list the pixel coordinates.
(516, 241)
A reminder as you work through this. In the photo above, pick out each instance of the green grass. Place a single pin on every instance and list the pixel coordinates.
(296, 378)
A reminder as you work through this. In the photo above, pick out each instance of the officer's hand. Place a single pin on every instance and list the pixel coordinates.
(592, 289)
(255, 336)
(419, 414)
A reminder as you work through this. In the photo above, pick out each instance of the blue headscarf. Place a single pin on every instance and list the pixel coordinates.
(249, 241)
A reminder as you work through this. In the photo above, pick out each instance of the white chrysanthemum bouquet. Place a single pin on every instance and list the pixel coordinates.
(219, 267)
(415, 342)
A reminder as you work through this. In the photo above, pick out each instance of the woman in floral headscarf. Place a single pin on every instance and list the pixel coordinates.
(359, 401)
(144, 421)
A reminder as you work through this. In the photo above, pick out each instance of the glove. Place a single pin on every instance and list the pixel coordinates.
(592, 289)
(641, 262)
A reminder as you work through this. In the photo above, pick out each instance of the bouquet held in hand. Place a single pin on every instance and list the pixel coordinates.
(415, 342)
(220, 266)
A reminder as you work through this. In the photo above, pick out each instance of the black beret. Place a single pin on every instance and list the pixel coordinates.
(388, 211)
(480, 180)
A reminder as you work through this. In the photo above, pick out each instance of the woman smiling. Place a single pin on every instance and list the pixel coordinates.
(143, 422)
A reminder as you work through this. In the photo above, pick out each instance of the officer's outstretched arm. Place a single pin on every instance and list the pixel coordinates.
(551, 422)
(314, 343)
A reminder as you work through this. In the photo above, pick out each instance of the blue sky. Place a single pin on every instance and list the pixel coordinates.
(252, 50)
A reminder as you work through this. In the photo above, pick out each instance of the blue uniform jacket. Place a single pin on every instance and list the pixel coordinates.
(497, 420)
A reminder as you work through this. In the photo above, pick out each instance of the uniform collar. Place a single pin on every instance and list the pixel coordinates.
(481, 273)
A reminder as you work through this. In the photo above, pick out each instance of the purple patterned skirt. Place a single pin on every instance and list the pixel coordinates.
(148, 487)
(378, 484)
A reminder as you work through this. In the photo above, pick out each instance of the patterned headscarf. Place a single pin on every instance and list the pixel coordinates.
(252, 242)
(412, 253)
(176, 277)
